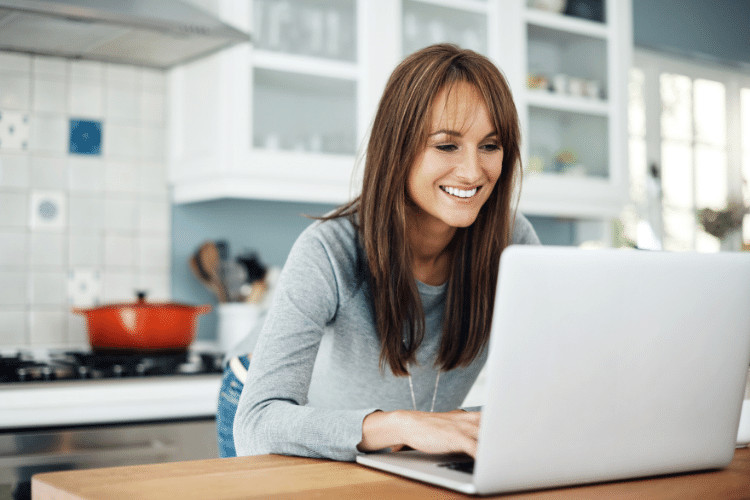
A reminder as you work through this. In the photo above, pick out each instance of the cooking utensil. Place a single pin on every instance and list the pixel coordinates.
(206, 266)
(142, 325)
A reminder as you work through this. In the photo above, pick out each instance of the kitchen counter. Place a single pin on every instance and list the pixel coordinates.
(269, 476)
(61, 403)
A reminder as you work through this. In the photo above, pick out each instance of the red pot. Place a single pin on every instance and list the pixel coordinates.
(142, 326)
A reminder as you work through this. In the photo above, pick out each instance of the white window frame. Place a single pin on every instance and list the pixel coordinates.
(653, 64)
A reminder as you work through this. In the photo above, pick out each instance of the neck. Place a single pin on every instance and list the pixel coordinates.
(429, 250)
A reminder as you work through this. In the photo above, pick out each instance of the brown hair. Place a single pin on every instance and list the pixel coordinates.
(399, 134)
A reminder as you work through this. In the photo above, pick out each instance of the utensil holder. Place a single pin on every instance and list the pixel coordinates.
(236, 322)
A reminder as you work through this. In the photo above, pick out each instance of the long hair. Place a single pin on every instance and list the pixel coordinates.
(399, 133)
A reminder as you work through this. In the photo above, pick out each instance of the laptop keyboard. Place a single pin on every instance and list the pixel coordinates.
(460, 465)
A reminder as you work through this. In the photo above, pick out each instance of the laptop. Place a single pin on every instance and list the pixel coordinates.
(604, 365)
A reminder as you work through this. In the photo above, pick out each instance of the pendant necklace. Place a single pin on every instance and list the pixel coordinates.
(434, 393)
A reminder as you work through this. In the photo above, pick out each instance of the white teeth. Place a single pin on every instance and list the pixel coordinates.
(459, 192)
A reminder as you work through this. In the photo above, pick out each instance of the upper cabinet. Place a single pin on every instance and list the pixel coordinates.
(287, 117)
(570, 72)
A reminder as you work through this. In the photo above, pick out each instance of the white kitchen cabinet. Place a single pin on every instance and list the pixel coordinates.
(570, 81)
(286, 118)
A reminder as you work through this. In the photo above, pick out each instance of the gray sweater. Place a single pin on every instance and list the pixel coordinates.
(315, 374)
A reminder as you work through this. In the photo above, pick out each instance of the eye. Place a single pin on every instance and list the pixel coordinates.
(491, 147)
(447, 148)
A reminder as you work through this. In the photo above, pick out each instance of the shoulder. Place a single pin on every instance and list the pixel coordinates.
(331, 245)
(523, 231)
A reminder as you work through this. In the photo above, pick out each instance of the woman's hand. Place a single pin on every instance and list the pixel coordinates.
(450, 432)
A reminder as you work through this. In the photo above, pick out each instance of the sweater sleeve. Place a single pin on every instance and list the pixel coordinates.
(523, 232)
(272, 416)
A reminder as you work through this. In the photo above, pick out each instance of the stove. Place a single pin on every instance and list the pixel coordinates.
(49, 366)
(53, 388)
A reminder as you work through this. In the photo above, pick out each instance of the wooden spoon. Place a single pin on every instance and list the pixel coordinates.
(206, 265)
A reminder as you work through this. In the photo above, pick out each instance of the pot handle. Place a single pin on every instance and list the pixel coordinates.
(205, 308)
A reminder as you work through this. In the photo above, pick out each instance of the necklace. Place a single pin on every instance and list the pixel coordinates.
(434, 393)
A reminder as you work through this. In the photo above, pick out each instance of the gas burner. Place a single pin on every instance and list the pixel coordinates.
(82, 365)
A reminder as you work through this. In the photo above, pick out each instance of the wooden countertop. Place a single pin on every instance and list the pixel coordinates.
(273, 476)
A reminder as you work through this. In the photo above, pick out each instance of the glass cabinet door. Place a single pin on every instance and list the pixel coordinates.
(304, 76)
(461, 22)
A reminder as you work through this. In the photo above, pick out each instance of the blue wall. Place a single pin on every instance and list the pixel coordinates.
(711, 29)
(269, 228)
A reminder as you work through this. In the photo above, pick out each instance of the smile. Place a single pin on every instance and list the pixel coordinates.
(460, 193)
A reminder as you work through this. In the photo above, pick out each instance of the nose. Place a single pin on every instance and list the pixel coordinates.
(469, 168)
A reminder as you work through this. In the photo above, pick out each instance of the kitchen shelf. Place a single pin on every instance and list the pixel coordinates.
(564, 23)
(551, 100)
(305, 65)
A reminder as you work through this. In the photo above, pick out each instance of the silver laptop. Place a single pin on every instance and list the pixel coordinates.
(604, 365)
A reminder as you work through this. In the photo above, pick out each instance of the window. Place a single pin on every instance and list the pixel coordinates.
(689, 139)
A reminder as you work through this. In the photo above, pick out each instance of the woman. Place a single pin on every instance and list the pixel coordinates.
(381, 318)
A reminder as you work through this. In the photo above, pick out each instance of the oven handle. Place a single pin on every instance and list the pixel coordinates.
(153, 448)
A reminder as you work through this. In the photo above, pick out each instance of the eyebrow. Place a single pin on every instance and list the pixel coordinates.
(458, 134)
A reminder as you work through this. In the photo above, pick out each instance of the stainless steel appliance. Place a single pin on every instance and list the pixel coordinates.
(139, 32)
(78, 409)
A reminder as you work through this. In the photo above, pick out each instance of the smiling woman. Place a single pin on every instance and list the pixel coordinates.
(382, 312)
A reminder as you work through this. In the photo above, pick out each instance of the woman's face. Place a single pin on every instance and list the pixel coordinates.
(455, 173)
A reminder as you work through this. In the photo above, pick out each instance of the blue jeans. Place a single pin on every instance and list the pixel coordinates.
(229, 397)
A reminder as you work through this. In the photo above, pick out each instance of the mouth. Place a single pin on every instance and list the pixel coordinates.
(461, 193)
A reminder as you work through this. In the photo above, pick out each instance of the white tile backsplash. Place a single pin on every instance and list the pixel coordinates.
(48, 210)
(122, 105)
(13, 327)
(48, 250)
(44, 66)
(49, 172)
(154, 217)
(86, 214)
(14, 249)
(14, 291)
(121, 214)
(48, 288)
(119, 251)
(77, 330)
(88, 71)
(120, 75)
(122, 141)
(85, 251)
(86, 100)
(153, 253)
(13, 209)
(49, 326)
(114, 207)
(153, 179)
(86, 174)
(119, 286)
(50, 96)
(156, 285)
(49, 133)
(14, 170)
(152, 107)
(15, 63)
(15, 91)
(121, 177)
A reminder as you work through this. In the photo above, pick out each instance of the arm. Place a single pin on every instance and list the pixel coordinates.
(272, 416)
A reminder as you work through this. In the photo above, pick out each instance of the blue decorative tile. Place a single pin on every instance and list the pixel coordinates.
(85, 137)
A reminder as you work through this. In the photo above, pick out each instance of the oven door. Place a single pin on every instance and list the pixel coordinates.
(27, 452)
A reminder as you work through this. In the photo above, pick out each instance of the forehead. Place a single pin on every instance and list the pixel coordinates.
(458, 106)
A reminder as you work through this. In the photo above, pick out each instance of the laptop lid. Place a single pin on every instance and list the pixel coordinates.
(611, 364)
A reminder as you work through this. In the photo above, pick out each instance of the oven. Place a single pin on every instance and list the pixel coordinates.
(78, 409)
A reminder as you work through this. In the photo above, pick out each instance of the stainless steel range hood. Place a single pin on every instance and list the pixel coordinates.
(152, 33)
